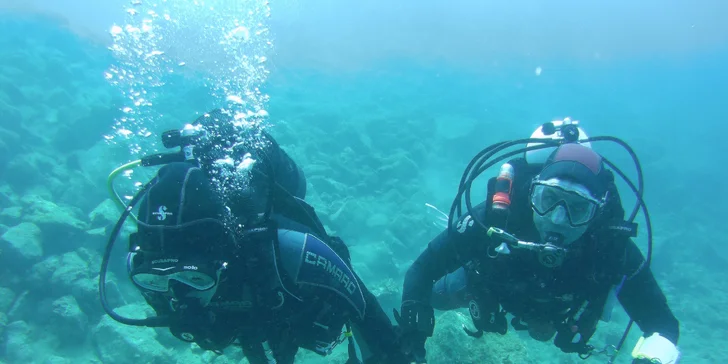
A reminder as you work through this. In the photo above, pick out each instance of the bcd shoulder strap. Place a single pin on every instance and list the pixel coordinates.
(484, 307)
(573, 335)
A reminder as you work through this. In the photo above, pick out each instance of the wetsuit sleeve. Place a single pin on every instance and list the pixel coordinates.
(444, 254)
(644, 301)
(375, 334)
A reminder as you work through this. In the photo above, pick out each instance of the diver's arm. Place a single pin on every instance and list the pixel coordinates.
(644, 301)
(444, 254)
(375, 334)
(439, 258)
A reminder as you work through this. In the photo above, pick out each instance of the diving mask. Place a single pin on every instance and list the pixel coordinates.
(156, 275)
(579, 205)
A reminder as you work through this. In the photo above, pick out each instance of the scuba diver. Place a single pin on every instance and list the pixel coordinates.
(550, 246)
(227, 252)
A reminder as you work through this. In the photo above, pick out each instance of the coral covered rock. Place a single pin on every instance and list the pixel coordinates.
(21, 246)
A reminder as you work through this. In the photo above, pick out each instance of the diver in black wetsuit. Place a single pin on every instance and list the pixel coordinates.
(550, 246)
(248, 262)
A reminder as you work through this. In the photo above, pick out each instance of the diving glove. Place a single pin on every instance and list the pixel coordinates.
(417, 323)
(655, 349)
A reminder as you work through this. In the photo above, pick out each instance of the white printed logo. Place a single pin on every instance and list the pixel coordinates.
(162, 213)
(465, 224)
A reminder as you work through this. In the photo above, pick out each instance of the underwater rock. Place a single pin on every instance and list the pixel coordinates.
(8, 198)
(9, 146)
(71, 269)
(394, 170)
(74, 272)
(77, 273)
(118, 343)
(95, 161)
(61, 226)
(18, 335)
(388, 294)
(40, 273)
(11, 118)
(7, 297)
(28, 167)
(11, 215)
(57, 360)
(450, 344)
(83, 131)
(377, 220)
(68, 321)
(59, 95)
(21, 246)
(105, 214)
(20, 305)
(194, 354)
(86, 291)
(453, 127)
(97, 238)
(13, 93)
(77, 190)
(90, 255)
(3, 324)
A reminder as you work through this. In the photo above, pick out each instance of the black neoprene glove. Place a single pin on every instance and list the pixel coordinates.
(417, 323)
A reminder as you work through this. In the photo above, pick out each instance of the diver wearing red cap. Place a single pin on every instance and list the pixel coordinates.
(550, 245)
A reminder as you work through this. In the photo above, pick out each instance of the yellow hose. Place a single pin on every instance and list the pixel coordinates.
(110, 184)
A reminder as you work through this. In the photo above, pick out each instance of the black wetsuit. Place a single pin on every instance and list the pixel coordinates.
(456, 270)
(310, 293)
(289, 284)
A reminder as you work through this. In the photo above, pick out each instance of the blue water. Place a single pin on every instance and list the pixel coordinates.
(382, 105)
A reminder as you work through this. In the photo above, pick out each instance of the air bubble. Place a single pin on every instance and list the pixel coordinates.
(154, 53)
(116, 30)
(240, 33)
(234, 98)
(124, 132)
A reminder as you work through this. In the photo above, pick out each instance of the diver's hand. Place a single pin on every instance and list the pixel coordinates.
(412, 345)
(415, 349)
(417, 323)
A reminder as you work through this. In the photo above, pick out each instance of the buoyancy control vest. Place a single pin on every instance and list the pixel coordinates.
(498, 283)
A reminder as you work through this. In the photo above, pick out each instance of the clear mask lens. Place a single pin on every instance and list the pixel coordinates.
(161, 283)
(157, 274)
(580, 207)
